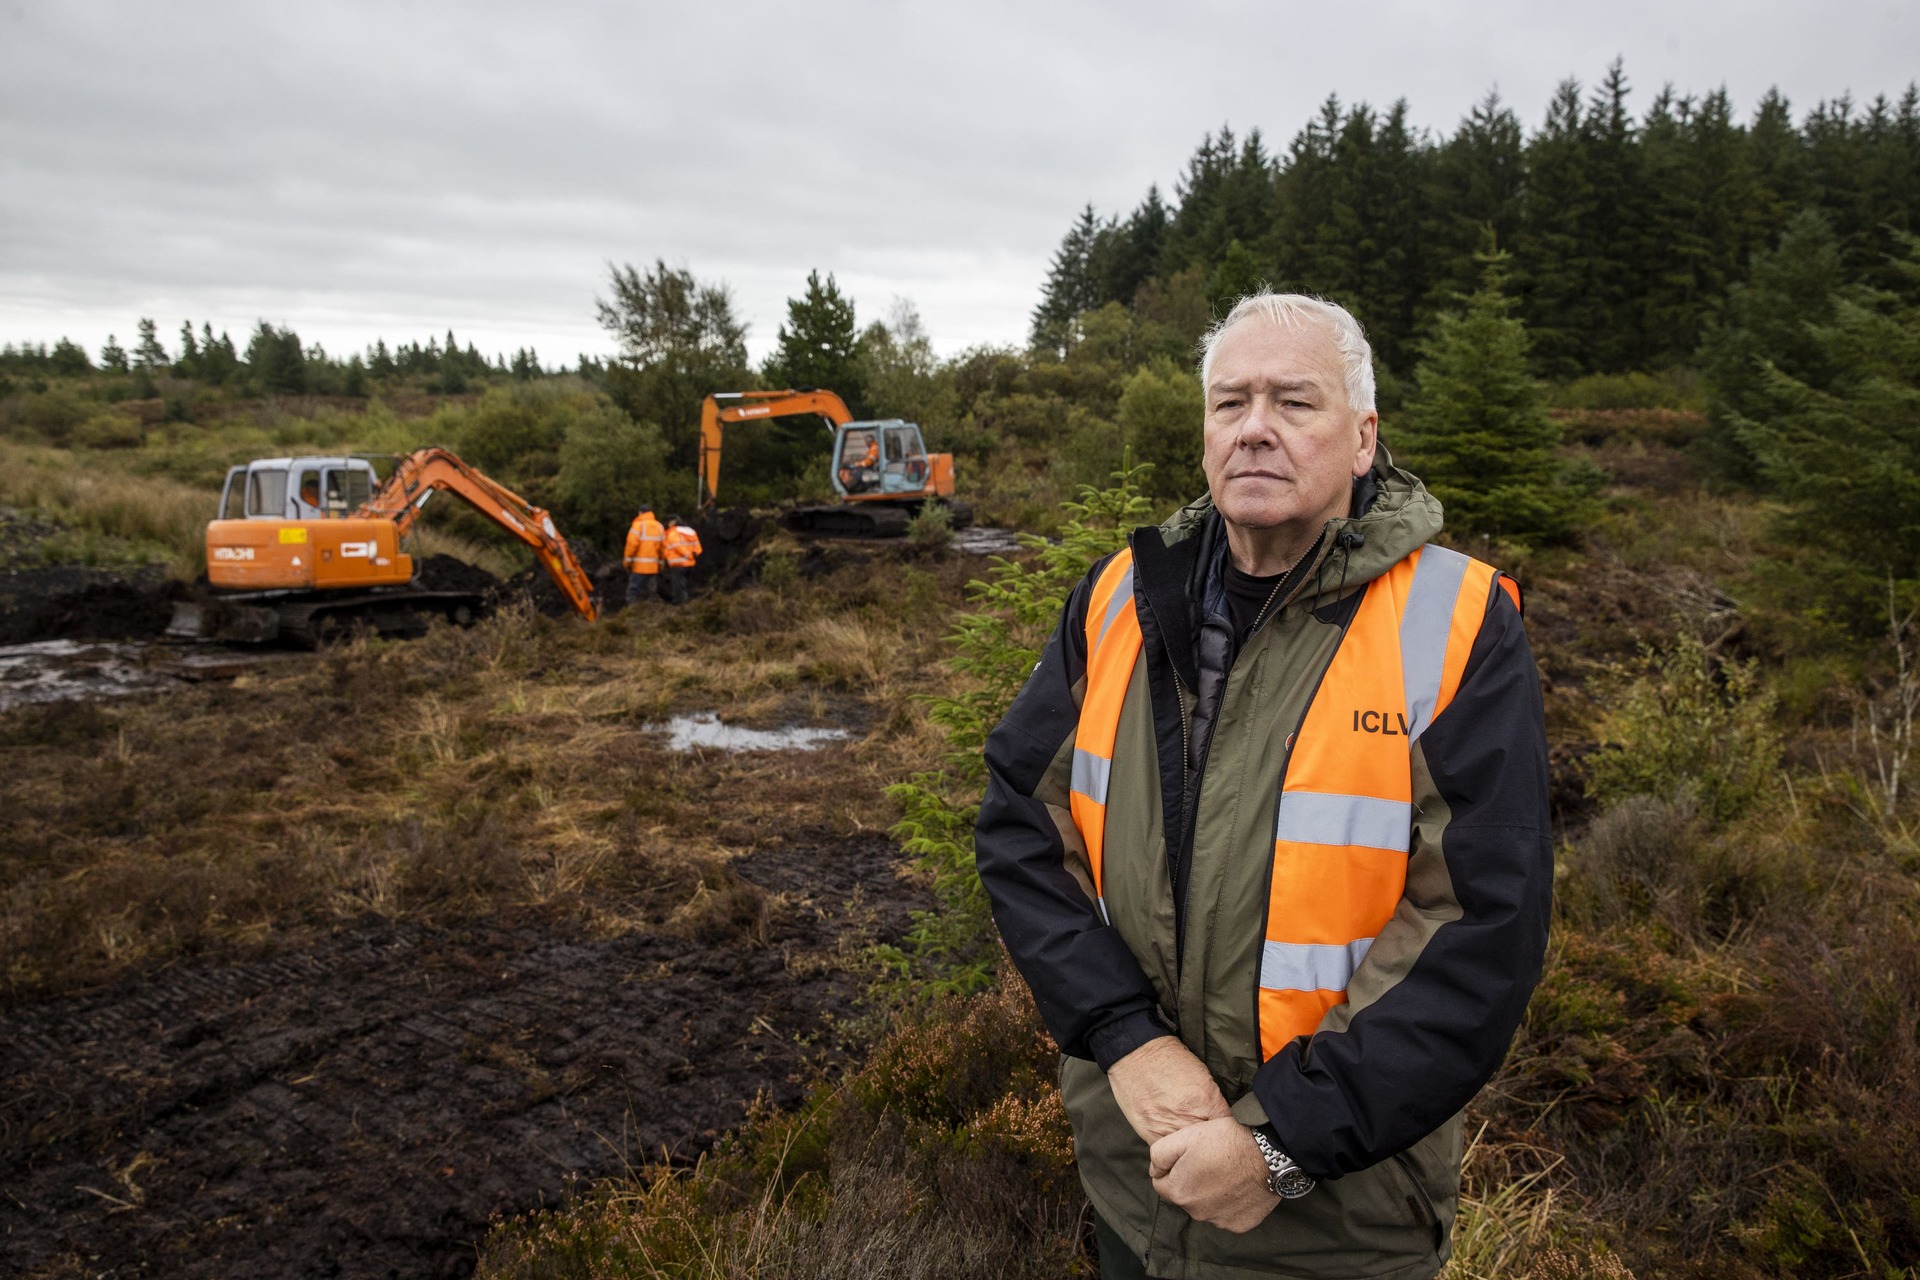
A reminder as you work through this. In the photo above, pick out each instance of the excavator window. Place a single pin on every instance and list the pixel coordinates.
(233, 496)
(267, 493)
(347, 491)
(307, 487)
(903, 443)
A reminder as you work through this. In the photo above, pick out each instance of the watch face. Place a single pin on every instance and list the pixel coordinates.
(1290, 1185)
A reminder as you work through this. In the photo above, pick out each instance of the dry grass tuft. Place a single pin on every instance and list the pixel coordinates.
(83, 492)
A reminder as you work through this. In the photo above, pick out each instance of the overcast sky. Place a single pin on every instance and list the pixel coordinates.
(393, 169)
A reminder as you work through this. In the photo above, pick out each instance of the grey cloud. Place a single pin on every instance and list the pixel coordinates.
(363, 170)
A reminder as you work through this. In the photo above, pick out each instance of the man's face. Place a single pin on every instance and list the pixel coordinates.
(1282, 446)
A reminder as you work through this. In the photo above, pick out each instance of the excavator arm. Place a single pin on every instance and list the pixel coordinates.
(747, 406)
(419, 475)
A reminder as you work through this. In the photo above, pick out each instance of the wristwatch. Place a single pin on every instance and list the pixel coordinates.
(1284, 1178)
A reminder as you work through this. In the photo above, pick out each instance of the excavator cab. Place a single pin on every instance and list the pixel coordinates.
(885, 459)
(297, 489)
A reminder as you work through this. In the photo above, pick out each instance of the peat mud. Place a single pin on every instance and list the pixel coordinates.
(361, 1107)
(71, 603)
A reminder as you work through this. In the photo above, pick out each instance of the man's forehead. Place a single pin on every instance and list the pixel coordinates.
(1257, 346)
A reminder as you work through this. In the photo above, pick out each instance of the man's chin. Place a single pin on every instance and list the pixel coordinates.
(1258, 514)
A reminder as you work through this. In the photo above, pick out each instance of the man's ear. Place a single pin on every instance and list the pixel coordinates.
(1369, 441)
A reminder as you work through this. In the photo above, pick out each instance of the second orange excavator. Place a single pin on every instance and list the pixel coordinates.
(306, 548)
(881, 470)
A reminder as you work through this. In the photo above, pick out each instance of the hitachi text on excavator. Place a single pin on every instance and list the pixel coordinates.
(304, 549)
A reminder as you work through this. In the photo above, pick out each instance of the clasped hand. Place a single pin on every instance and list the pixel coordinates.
(1203, 1160)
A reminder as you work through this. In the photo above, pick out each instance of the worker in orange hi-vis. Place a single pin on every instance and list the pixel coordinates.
(644, 539)
(681, 548)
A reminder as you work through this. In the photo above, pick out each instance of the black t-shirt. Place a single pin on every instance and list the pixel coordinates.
(1246, 596)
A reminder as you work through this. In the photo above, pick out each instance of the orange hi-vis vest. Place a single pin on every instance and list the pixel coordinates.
(1345, 813)
(643, 544)
(683, 545)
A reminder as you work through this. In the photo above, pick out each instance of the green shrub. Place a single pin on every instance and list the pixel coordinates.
(50, 416)
(608, 466)
(109, 431)
(931, 528)
(1688, 723)
(1674, 389)
(1160, 416)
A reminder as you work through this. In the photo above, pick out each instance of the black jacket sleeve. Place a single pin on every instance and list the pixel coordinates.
(1091, 992)
(1466, 947)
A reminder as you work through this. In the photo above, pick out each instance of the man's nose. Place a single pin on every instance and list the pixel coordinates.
(1260, 429)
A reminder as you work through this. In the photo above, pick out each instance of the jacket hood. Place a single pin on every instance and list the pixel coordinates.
(1354, 549)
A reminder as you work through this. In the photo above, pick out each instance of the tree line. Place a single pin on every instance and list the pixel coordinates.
(275, 362)
(1626, 228)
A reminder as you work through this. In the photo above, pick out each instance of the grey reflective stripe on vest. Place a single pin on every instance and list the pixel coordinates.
(1424, 628)
(1314, 817)
(1122, 597)
(1090, 775)
(1311, 966)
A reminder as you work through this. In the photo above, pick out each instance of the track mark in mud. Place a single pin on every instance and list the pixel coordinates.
(359, 1107)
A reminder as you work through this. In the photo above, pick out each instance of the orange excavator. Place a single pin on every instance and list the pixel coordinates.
(881, 470)
(307, 548)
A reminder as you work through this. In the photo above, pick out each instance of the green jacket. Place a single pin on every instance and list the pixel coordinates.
(1371, 1103)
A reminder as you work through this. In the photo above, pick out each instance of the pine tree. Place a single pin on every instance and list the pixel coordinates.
(1610, 262)
(277, 361)
(1843, 451)
(1770, 319)
(1072, 285)
(1550, 251)
(148, 353)
(68, 358)
(189, 362)
(1238, 275)
(1479, 178)
(113, 356)
(818, 346)
(1477, 429)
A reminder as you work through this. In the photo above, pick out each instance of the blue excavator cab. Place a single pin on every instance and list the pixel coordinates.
(883, 457)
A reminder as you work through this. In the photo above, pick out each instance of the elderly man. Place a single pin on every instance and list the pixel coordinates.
(1267, 834)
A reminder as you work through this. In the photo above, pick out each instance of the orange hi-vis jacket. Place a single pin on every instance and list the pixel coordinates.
(1345, 815)
(682, 546)
(643, 544)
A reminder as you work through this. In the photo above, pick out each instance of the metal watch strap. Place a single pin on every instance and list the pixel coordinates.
(1284, 1178)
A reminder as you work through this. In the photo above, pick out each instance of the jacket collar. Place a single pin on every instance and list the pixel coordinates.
(1392, 516)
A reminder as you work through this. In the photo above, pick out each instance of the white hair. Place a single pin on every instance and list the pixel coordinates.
(1296, 311)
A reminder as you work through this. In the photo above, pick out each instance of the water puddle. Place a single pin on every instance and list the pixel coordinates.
(705, 730)
(66, 670)
(976, 541)
(58, 670)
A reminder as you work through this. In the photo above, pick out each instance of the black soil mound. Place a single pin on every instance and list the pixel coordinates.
(444, 573)
(534, 585)
(69, 603)
(359, 1108)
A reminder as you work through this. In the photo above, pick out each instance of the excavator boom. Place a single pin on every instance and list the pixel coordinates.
(748, 406)
(419, 475)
